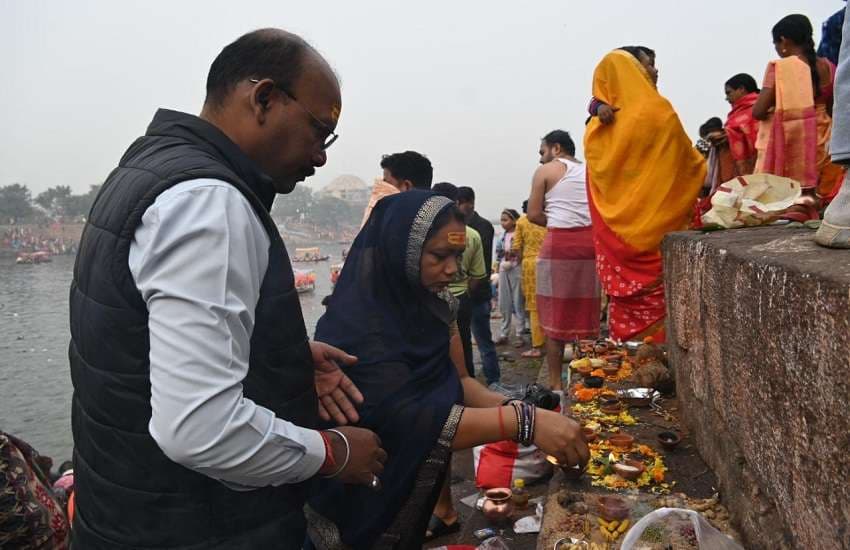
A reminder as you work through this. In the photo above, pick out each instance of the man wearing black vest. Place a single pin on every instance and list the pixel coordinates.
(196, 390)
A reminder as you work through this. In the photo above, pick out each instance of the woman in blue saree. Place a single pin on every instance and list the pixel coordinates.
(391, 309)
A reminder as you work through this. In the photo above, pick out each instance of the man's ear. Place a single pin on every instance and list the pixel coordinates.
(406, 185)
(260, 97)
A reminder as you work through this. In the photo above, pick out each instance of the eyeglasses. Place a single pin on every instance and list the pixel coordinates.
(330, 138)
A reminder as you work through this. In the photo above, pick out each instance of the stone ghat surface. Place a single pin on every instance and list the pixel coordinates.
(759, 335)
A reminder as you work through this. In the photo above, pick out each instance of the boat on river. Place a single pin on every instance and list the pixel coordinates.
(335, 271)
(305, 280)
(314, 254)
(40, 257)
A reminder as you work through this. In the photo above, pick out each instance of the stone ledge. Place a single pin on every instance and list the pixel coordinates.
(759, 335)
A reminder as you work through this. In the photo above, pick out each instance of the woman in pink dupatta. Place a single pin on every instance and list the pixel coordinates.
(794, 107)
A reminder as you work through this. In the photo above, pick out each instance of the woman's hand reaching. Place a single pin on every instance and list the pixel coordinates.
(560, 437)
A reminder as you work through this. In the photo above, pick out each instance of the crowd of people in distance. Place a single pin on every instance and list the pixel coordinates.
(24, 239)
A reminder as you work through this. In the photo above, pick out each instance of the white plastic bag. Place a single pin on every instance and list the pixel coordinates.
(707, 536)
(751, 200)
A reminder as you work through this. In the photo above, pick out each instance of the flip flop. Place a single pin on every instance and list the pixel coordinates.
(533, 353)
(437, 528)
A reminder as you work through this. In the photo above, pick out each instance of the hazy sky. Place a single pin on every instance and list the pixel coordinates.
(471, 84)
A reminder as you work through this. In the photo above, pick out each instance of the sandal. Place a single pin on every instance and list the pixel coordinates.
(533, 353)
(437, 527)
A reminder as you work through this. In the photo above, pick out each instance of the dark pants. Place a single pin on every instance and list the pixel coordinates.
(484, 338)
(474, 319)
(464, 327)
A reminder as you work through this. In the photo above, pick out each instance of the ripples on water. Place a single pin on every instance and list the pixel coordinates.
(35, 380)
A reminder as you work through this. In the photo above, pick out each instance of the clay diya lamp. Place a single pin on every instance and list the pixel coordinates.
(611, 370)
(614, 409)
(613, 508)
(570, 472)
(497, 504)
(669, 440)
(623, 441)
(593, 381)
(589, 434)
(629, 469)
(614, 359)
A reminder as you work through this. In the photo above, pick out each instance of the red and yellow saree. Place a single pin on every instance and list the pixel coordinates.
(643, 179)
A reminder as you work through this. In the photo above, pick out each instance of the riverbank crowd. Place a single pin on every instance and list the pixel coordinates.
(204, 416)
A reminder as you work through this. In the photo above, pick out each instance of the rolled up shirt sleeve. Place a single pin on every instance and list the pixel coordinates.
(198, 258)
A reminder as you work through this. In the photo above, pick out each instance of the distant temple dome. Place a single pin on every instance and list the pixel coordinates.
(347, 187)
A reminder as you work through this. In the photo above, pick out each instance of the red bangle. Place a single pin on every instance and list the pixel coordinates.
(330, 463)
(502, 425)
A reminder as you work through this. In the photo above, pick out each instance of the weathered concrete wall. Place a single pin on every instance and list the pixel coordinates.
(759, 334)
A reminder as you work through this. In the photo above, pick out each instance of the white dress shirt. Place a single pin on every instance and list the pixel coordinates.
(198, 258)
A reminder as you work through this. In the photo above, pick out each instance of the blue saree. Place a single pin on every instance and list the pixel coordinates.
(380, 312)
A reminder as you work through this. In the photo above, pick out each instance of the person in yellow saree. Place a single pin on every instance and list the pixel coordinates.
(528, 240)
(639, 189)
(795, 110)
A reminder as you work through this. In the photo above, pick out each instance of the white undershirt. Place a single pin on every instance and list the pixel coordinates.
(565, 204)
(198, 258)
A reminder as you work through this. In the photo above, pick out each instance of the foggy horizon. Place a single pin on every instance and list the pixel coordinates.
(473, 86)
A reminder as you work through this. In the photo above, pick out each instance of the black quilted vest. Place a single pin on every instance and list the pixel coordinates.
(128, 493)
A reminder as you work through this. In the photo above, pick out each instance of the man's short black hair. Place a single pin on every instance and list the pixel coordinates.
(743, 80)
(563, 139)
(465, 194)
(445, 189)
(264, 53)
(410, 165)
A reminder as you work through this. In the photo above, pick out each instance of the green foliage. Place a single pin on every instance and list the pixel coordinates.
(59, 201)
(304, 206)
(15, 203)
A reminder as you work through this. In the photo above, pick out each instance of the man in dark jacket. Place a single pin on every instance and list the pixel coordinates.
(197, 393)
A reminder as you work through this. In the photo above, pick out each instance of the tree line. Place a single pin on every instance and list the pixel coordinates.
(17, 203)
(301, 206)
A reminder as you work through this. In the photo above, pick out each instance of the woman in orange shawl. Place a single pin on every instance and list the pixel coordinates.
(795, 110)
(643, 178)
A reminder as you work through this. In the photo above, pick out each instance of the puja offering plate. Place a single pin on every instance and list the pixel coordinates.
(638, 397)
(632, 346)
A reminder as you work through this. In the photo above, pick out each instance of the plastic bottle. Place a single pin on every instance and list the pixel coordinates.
(520, 495)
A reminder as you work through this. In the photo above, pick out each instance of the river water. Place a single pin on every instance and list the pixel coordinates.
(35, 380)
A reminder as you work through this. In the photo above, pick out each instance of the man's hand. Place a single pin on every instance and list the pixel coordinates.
(367, 457)
(560, 437)
(336, 391)
(606, 113)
